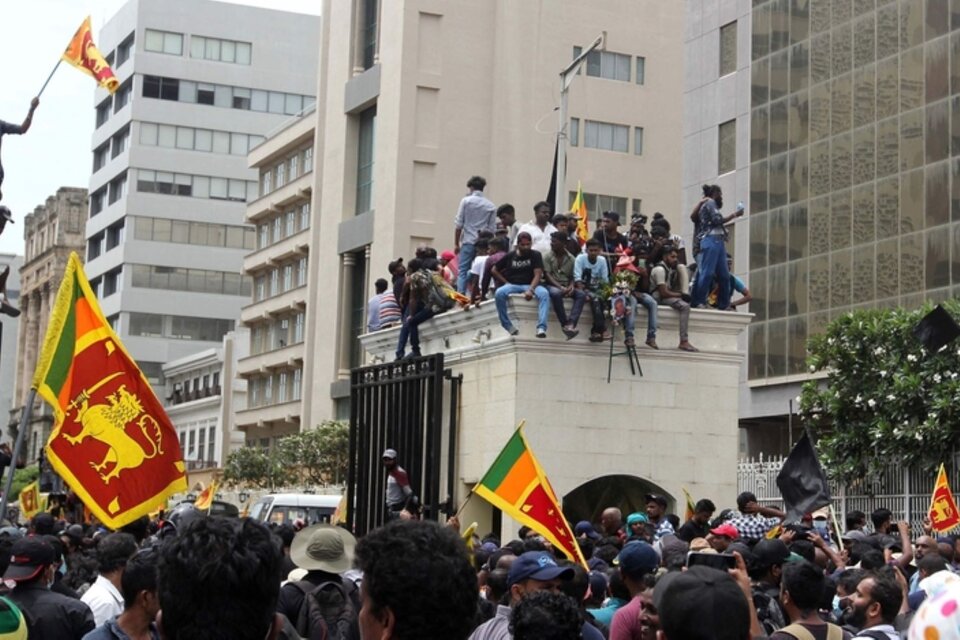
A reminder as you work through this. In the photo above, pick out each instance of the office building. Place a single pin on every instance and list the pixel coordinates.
(415, 97)
(51, 233)
(852, 173)
(201, 84)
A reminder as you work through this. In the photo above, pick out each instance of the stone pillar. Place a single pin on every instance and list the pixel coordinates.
(21, 380)
(345, 337)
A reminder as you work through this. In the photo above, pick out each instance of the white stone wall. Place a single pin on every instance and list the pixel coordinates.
(674, 427)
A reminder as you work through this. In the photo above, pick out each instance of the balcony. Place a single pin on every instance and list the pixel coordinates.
(287, 357)
(199, 465)
(295, 246)
(284, 412)
(293, 300)
(299, 189)
(181, 397)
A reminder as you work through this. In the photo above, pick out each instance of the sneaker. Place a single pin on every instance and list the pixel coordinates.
(571, 332)
(541, 333)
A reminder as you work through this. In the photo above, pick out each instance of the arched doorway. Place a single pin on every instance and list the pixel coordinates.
(587, 501)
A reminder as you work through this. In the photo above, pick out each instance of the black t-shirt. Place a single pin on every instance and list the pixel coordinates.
(609, 245)
(691, 530)
(517, 269)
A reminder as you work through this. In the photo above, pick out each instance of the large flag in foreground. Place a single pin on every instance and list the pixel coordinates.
(943, 509)
(517, 485)
(802, 482)
(112, 442)
(84, 55)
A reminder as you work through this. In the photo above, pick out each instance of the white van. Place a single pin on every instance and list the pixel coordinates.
(280, 508)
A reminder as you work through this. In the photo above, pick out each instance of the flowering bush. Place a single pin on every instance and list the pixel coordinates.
(884, 398)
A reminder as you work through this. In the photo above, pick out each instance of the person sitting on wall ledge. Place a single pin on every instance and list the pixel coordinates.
(521, 271)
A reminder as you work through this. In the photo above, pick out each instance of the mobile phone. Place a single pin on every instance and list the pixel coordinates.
(713, 560)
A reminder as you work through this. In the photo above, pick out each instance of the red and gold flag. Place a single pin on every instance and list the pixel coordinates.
(691, 508)
(84, 55)
(579, 209)
(516, 485)
(112, 442)
(31, 501)
(205, 499)
(943, 509)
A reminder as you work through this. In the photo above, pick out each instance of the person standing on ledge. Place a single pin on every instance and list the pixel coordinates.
(19, 129)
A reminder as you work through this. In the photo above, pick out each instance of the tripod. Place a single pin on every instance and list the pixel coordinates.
(629, 350)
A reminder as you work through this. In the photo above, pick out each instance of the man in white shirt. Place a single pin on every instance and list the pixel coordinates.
(540, 228)
(104, 597)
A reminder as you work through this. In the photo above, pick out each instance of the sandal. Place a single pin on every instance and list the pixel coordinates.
(629, 342)
(596, 337)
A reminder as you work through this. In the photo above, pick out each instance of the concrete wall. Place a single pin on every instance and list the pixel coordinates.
(674, 427)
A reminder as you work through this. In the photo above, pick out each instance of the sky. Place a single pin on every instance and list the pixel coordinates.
(56, 151)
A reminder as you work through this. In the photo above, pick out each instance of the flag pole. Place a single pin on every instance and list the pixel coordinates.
(8, 485)
(836, 526)
(49, 77)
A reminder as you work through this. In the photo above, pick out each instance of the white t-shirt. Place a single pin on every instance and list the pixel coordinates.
(476, 268)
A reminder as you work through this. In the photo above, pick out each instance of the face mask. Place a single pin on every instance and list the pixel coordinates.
(820, 526)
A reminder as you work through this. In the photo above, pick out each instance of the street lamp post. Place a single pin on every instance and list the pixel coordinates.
(566, 77)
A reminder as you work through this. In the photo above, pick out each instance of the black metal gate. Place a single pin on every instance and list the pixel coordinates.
(400, 405)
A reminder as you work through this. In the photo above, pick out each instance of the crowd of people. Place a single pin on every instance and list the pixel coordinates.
(496, 257)
(740, 573)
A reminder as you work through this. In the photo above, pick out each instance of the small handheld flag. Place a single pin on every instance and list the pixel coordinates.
(205, 499)
(691, 508)
(579, 209)
(84, 55)
(943, 508)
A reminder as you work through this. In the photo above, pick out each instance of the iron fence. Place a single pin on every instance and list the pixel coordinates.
(905, 491)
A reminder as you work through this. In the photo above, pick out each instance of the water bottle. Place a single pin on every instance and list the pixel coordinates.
(740, 206)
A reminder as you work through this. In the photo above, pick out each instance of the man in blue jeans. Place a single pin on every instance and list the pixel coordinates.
(712, 260)
(521, 271)
(476, 214)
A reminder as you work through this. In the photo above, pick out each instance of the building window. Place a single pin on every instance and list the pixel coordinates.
(574, 132)
(636, 207)
(365, 142)
(297, 377)
(728, 48)
(196, 233)
(96, 201)
(298, 321)
(118, 187)
(94, 246)
(100, 155)
(111, 281)
(638, 141)
(192, 280)
(358, 301)
(179, 184)
(163, 42)
(304, 216)
(281, 170)
(308, 159)
(119, 142)
(124, 49)
(606, 135)
(220, 50)
(266, 182)
(369, 32)
(641, 69)
(263, 235)
(103, 112)
(606, 64)
(122, 97)
(601, 202)
(162, 88)
(115, 234)
(301, 272)
(727, 147)
(290, 222)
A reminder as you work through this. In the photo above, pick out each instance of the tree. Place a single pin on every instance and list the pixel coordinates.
(256, 467)
(320, 455)
(883, 398)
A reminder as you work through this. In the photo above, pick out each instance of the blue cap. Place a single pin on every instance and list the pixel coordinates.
(537, 565)
(584, 527)
(637, 559)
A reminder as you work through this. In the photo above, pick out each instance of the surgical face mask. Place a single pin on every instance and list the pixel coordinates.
(820, 526)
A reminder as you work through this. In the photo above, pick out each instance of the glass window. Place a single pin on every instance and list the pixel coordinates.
(203, 140)
(727, 146)
(365, 160)
(728, 48)
(638, 141)
(574, 132)
(244, 51)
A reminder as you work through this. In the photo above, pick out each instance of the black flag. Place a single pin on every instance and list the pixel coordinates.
(552, 189)
(802, 482)
(936, 329)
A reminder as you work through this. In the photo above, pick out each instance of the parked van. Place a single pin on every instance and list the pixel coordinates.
(289, 507)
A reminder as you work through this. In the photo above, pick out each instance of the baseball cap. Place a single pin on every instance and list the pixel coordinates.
(537, 565)
(11, 532)
(389, 453)
(855, 535)
(638, 558)
(656, 497)
(584, 527)
(770, 552)
(727, 530)
(28, 557)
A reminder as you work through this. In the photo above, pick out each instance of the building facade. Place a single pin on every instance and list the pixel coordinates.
(201, 84)
(9, 334)
(202, 395)
(51, 233)
(276, 316)
(416, 96)
(851, 169)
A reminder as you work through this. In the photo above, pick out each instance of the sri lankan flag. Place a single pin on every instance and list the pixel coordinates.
(517, 485)
(84, 55)
(691, 508)
(31, 500)
(111, 442)
(205, 499)
(579, 209)
(943, 508)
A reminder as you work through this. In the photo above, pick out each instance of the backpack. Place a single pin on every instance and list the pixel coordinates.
(327, 611)
(433, 290)
(801, 633)
(769, 613)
